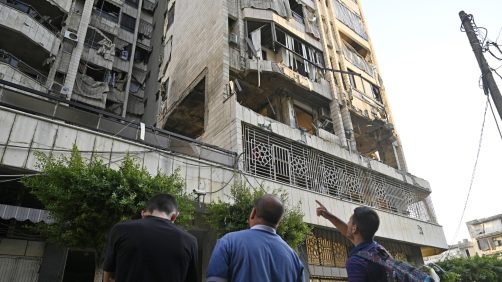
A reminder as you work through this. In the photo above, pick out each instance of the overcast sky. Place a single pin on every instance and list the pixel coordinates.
(431, 77)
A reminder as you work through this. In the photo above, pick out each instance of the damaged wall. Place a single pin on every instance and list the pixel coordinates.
(195, 53)
(281, 7)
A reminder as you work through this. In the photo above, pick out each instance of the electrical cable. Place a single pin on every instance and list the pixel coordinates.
(495, 71)
(495, 118)
(473, 172)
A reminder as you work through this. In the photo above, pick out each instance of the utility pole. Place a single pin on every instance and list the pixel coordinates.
(487, 76)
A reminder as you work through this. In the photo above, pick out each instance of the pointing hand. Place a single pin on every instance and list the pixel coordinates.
(321, 209)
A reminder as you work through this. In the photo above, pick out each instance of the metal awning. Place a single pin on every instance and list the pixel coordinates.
(22, 214)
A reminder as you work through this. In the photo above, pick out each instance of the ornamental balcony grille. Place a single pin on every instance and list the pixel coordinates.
(271, 156)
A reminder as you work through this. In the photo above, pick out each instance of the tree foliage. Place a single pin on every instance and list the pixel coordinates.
(479, 269)
(233, 215)
(85, 198)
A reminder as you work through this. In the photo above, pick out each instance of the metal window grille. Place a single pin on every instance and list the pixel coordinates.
(275, 157)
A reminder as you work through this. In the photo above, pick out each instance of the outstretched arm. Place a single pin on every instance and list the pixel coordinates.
(338, 223)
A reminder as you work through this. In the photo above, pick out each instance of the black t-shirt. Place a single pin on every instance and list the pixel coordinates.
(151, 249)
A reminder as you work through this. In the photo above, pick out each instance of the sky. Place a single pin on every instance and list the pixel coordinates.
(431, 77)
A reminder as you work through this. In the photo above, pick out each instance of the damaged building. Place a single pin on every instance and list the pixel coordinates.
(286, 94)
(92, 51)
(294, 88)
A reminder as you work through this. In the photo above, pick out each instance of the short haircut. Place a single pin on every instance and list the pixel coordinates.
(367, 222)
(270, 209)
(163, 203)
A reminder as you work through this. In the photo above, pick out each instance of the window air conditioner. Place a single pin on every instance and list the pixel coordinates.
(233, 38)
(71, 35)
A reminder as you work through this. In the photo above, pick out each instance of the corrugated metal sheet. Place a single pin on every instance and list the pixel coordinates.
(21, 214)
(19, 269)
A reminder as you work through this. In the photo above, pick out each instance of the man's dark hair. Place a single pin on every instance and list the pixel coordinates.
(163, 203)
(367, 222)
(270, 209)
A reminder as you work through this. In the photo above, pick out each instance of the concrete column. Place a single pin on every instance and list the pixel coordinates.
(54, 67)
(77, 51)
(334, 105)
(131, 59)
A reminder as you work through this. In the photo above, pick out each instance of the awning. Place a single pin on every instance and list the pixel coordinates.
(22, 214)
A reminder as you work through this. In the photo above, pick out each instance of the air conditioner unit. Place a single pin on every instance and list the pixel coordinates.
(233, 38)
(71, 35)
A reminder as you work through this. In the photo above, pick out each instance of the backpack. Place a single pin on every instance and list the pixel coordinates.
(397, 271)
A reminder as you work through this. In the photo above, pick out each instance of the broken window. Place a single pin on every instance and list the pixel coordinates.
(376, 93)
(145, 29)
(96, 38)
(305, 120)
(350, 19)
(296, 54)
(107, 10)
(170, 16)
(141, 55)
(189, 116)
(127, 22)
(352, 79)
(297, 11)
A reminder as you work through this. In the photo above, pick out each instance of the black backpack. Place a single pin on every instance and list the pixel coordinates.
(397, 271)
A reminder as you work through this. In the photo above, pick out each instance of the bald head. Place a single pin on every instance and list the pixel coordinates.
(269, 210)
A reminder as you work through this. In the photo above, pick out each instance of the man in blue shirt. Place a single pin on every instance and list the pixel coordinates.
(256, 254)
(360, 230)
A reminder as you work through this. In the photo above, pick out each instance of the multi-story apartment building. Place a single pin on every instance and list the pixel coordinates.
(487, 234)
(463, 249)
(286, 93)
(294, 88)
(95, 52)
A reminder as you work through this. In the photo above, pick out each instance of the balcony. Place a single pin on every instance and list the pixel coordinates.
(357, 60)
(290, 162)
(105, 21)
(16, 71)
(20, 17)
(273, 50)
(350, 19)
(149, 5)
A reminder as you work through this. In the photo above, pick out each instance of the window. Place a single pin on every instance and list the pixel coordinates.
(107, 10)
(376, 93)
(352, 79)
(127, 22)
(170, 17)
(296, 10)
(133, 3)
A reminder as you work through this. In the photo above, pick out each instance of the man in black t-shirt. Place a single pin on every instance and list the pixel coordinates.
(152, 248)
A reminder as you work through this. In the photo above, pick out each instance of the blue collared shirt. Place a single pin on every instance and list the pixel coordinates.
(256, 254)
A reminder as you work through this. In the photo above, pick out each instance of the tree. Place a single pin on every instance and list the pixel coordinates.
(479, 269)
(232, 216)
(86, 198)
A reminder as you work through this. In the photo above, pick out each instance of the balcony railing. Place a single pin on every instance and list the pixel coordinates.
(358, 61)
(274, 157)
(14, 62)
(110, 16)
(350, 19)
(30, 11)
